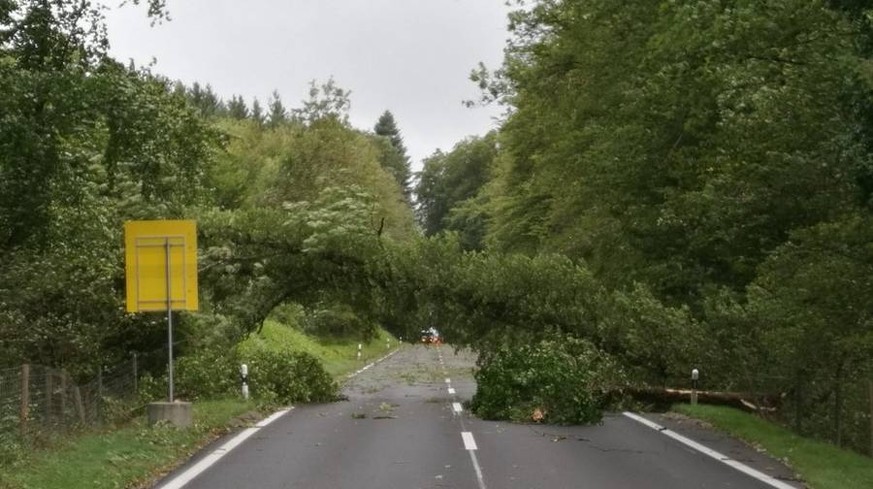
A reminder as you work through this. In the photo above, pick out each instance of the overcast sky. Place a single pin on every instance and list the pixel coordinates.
(412, 57)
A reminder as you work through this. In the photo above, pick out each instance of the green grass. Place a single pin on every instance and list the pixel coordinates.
(120, 458)
(822, 465)
(339, 357)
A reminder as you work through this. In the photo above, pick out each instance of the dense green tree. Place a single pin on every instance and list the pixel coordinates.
(675, 144)
(452, 181)
(85, 144)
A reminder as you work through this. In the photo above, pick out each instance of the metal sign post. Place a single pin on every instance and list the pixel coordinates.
(169, 318)
(161, 270)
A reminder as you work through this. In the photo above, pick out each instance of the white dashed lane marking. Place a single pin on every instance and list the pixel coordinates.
(469, 441)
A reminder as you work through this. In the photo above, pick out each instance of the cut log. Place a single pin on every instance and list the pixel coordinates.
(749, 402)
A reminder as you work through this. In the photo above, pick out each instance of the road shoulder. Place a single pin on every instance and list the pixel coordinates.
(705, 434)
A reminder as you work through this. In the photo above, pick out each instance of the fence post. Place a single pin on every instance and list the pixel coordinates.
(80, 408)
(870, 393)
(98, 408)
(25, 398)
(48, 395)
(63, 398)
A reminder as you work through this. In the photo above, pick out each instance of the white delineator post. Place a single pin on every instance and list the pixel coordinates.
(359, 351)
(244, 376)
(695, 375)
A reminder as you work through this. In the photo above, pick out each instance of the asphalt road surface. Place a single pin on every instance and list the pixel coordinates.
(405, 426)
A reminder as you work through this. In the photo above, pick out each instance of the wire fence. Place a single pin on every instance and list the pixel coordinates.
(35, 399)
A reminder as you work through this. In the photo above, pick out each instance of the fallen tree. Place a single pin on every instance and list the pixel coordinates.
(747, 401)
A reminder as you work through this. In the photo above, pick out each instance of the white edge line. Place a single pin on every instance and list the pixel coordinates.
(771, 481)
(185, 477)
(456, 407)
(448, 380)
(451, 390)
(371, 364)
(469, 441)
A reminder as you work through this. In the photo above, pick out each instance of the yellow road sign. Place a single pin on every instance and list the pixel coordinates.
(161, 265)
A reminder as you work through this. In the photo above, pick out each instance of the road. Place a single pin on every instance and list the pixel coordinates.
(405, 426)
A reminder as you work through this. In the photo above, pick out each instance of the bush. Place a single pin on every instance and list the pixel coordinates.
(207, 374)
(274, 376)
(561, 380)
(287, 377)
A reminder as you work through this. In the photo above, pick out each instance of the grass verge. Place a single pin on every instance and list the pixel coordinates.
(132, 455)
(126, 457)
(821, 465)
(338, 356)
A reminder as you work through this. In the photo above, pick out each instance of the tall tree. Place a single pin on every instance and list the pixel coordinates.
(278, 113)
(394, 159)
(257, 112)
(237, 108)
(206, 100)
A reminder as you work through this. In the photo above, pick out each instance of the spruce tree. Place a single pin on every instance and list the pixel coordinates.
(278, 114)
(395, 161)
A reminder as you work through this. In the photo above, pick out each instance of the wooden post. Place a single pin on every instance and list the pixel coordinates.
(870, 393)
(48, 395)
(80, 409)
(98, 407)
(63, 398)
(25, 398)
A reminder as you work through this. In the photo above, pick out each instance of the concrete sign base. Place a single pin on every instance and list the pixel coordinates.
(178, 414)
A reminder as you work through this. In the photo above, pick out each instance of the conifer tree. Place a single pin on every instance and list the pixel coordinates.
(278, 114)
(395, 161)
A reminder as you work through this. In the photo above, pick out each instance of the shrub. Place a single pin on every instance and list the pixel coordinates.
(207, 374)
(287, 377)
(280, 376)
(561, 380)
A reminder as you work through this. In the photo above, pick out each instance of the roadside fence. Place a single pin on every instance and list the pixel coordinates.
(35, 399)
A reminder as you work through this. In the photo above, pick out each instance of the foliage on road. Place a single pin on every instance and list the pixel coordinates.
(560, 380)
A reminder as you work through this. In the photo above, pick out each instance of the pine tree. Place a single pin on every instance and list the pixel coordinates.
(206, 100)
(257, 112)
(278, 114)
(395, 161)
(237, 108)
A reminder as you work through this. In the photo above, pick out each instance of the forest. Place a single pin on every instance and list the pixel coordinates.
(674, 185)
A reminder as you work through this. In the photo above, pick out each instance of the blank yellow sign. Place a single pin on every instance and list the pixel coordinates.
(152, 250)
